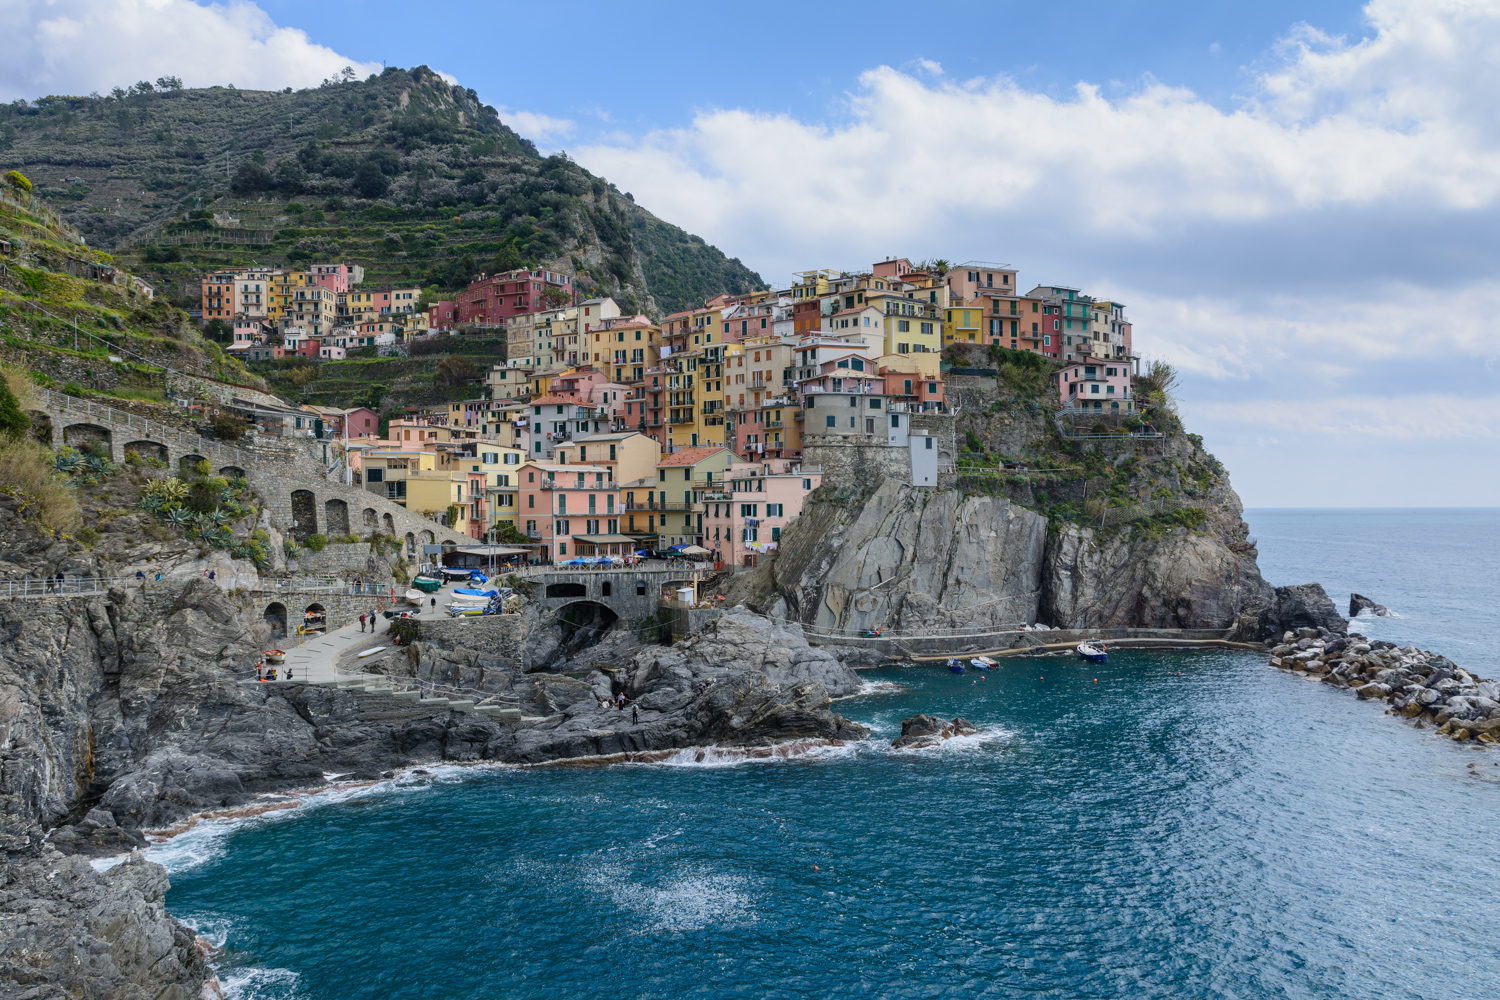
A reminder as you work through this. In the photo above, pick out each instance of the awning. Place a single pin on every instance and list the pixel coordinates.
(494, 550)
(694, 550)
(605, 539)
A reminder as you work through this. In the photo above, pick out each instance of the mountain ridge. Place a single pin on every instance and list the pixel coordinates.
(410, 176)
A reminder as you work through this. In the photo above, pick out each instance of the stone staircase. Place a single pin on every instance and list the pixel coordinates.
(389, 705)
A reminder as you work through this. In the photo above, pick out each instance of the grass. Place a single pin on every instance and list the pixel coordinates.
(26, 474)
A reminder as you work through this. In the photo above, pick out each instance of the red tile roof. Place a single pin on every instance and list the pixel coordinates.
(689, 456)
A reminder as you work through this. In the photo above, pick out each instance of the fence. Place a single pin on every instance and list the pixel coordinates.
(1135, 512)
(78, 586)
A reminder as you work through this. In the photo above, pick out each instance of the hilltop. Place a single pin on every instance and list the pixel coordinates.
(402, 173)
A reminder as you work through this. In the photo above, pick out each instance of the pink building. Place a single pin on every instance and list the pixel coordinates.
(591, 386)
(1094, 383)
(337, 278)
(745, 523)
(924, 394)
(441, 316)
(493, 299)
(570, 509)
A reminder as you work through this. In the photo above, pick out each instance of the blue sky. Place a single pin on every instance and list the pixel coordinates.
(1297, 201)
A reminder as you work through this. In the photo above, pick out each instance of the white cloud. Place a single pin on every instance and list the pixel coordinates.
(78, 46)
(1329, 238)
(540, 129)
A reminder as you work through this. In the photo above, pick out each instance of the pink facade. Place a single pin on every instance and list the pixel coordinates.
(495, 298)
(441, 316)
(559, 502)
(1101, 384)
(910, 387)
(748, 524)
(334, 277)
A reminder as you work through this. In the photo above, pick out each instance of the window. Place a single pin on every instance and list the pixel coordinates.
(374, 475)
(807, 484)
(869, 425)
(640, 585)
(831, 420)
(929, 444)
(749, 510)
(875, 403)
(895, 420)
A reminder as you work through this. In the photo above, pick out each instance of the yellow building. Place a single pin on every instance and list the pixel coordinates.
(628, 455)
(682, 478)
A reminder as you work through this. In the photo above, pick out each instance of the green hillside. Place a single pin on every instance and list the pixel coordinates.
(402, 173)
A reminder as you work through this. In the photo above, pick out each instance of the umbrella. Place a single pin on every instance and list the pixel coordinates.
(694, 550)
(675, 548)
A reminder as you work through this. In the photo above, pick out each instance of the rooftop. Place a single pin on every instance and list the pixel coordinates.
(689, 456)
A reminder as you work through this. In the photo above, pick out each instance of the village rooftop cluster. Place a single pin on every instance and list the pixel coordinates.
(607, 434)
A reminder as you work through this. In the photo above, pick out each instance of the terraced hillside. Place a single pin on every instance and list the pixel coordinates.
(72, 317)
(402, 173)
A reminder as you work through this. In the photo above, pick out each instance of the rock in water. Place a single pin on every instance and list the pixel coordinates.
(1358, 603)
(922, 731)
(1308, 606)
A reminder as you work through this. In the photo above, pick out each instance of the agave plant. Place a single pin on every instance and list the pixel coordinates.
(180, 517)
(220, 517)
(98, 464)
(226, 494)
(150, 502)
(169, 489)
(67, 461)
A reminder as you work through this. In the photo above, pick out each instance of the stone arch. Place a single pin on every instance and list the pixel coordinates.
(81, 436)
(427, 537)
(275, 616)
(372, 523)
(584, 623)
(567, 590)
(304, 514)
(335, 517)
(148, 449)
(232, 472)
(390, 525)
(187, 465)
(411, 544)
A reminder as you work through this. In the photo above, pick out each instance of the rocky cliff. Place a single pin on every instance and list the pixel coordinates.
(1113, 532)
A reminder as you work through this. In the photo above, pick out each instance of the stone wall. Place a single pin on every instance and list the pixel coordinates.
(344, 561)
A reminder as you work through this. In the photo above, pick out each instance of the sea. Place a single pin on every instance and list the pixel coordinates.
(1178, 825)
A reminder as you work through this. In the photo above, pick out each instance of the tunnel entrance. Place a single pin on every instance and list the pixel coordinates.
(584, 624)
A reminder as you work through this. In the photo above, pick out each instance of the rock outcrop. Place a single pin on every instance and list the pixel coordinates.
(922, 732)
(1359, 604)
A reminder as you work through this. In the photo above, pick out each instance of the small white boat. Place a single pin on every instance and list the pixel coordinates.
(1093, 653)
(469, 599)
(465, 609)
(983, 663)
(414, 596)
(371, 651)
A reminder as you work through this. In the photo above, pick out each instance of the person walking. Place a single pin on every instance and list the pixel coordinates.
(60, 581)
(372, 619)
(634, 718)
(361, 622)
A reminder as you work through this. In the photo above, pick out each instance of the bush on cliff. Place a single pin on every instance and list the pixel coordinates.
(317, 542)
(27, 475)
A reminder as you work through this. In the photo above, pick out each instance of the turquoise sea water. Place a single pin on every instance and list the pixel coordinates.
(1170, 825)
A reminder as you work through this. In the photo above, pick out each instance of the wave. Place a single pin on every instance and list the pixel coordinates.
(959, 744)
(716, 756)
(200, 839)
(253, 982)
(868, 688)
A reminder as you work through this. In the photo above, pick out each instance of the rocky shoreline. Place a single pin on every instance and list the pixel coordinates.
(1425, 687)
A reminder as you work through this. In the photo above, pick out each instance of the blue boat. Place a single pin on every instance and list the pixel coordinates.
(956, 666)
(1092, 653)
(475, 593)
(982, 663)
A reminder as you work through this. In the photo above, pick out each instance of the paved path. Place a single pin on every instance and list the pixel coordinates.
(316, 660)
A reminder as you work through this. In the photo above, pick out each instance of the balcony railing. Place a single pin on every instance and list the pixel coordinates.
(655, 505)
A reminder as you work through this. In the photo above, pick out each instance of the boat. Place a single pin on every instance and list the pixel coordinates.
(1093, 653)
(470, 599)
(371, 651)
(415, 596)
(469, 592)
(274, 655)
(431, 584)
(466, 609)
(983, 663)
(956, 666)
(456, 574)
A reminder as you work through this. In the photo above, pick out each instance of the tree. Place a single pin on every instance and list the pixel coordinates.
(226, 428)
(290, 177)
(251, 178)
(1157, 384)
(370, 181)
(14, 423)
(217, 330)
(453, 515)
(555, 296)
(508, 534)
(168, 83)
(18, 180)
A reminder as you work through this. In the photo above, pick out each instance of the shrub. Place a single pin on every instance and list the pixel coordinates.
(18, 180)
(289, 546)
(72, 389)
(87, 536)
(317, 542)
(26, 474)
(14, 423)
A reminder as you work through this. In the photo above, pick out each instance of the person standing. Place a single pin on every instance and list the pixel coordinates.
(361, 622)
(634, 718)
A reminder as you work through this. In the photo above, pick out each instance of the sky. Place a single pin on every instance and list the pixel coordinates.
(1296, 201)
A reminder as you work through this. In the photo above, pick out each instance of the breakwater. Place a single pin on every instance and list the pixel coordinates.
(1418, 684)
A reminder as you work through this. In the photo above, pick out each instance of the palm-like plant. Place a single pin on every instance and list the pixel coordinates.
(150, 502)
(67, 461)
(97, 464)
(220, 517)
(180, 517)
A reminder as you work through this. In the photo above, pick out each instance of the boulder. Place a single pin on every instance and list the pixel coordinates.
(1308, 606)
(922, 731)
(1359, 604)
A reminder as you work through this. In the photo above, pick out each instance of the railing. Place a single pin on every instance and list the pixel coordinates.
(77, 586)
(631, 505)
(57, 401)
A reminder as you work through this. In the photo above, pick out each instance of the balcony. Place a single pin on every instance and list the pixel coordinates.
(669, 507)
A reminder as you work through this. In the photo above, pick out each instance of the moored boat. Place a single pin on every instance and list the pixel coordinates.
(956, 666)
(983, 663)
(431, 584)
(1093, 653)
